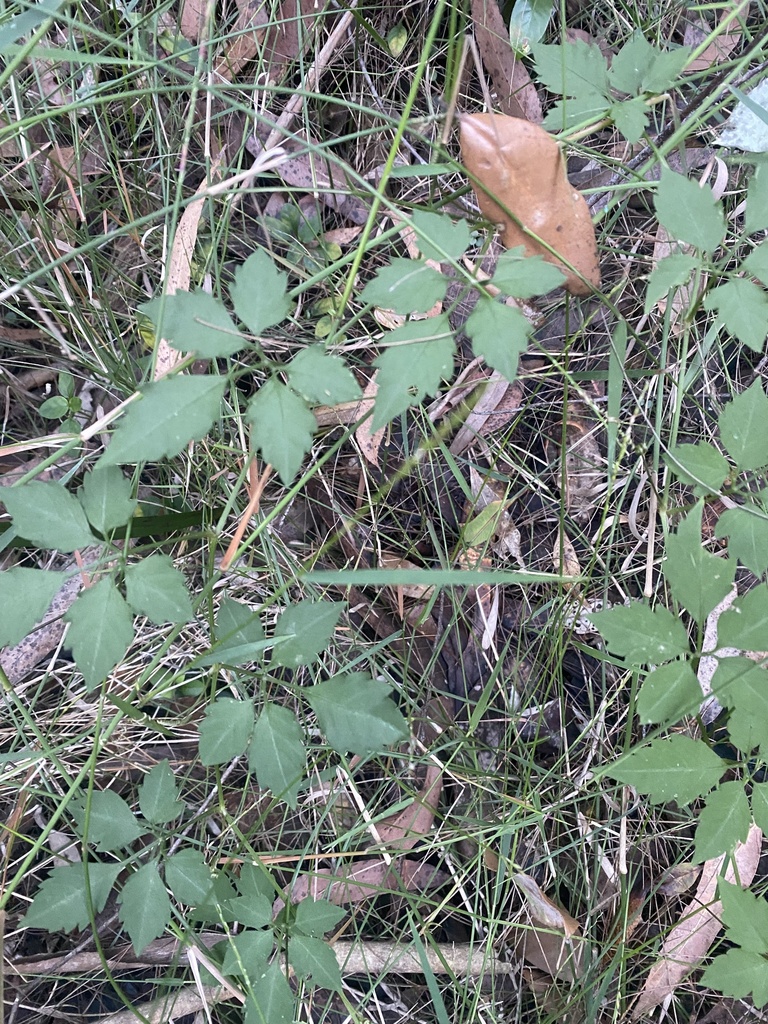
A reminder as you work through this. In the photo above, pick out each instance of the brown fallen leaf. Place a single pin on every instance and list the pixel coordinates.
(402, 831)
(554, 942)
(366, 880)
(518, 173)
(723, 44)
(511, 82)
(193, 19)
(688, 942)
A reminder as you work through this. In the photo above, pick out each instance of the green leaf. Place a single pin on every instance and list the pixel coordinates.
(277, 754)
(743, 686)
(698, 579)
(259, 293)
(744, 428)
(759, 801)
(251, 911)
(584, 109)
(356, 713)
(310, 625)
(111, 823)
(47, 515)
(255, 880)
(572, 69)
(756, 217)
(630, 117)
(283, 427)
(100, 632)
(194, 322)
(756, 264)
(60, 903)
(169, 414)
(528, 23)
(677, 768)
(743, 307)
(239, 636)
(523, 276)
(189, 878)
(55, 408)
(25, 596)
(701, 465)
(439, 237)
(248, 953)
(159, 795)
(314, 961)
(271, 1001)
(723, 821)
(106, 499)
(747, 127)
(669, 693)
(641, 635)
(26, 21)
(744, 624)
(671, 272)
(226, 730)
(321, 378)
(499, 335)
(689, 213)
(665, 69)
(316, 917)
(145, 909)
(746, 528)
(405, 286)
(156, 589)
(418, 358)
(744, 915)
(631, 65)
(738, 973)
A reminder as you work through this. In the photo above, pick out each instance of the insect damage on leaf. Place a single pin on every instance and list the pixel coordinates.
(519, 177)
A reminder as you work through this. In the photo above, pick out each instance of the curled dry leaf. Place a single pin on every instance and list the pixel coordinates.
(509, 76)
(519, 177)
(689, 941)
(402, 831)
(366, 880)
(554, 942)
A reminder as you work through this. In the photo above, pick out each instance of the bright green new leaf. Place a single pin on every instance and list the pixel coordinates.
(25, 596)
(277, 754)
(226, 730)
(145, 909)
(159, 795)
(247, 954)
(189, 878)
(283, 427)
(309, 626)
(314, 962)
(322, 378)
(572, 69)
(194, 322)
(677, 768)
(744, 624)
(106, 499)
(701, 465)
(111, 822)
(688, 212)
(418, 357)
(723, 821)
(759, 801)
(170, 413)
(271, 1001)
(698, 579)
(641, 635)
(439, 237)
(356, 713)
(47, 515)
(239, 635)
(671, 272)
(100, 632)
(668, 693)
(60, 903)
(259, 293)
(744, 428)
(251, 911)
(632, 64)
(743, 307)
(528, 23)
(746, 528)
(744, 914)
(316, 917)
(630, 117)
(156, 589)
(740, 974)
(523, 276)
(499, 335)
(406, 286)
(756, 217)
